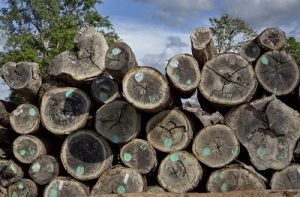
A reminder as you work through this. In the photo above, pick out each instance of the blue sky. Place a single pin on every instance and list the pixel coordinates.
(158, 29)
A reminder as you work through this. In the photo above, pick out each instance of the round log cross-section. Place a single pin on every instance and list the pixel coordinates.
(119, 180)
(216, 146)
(139, 155)
(169, 131)
(118, 122)
(272, 39)
(183, 73)
(286, 179)
(228, 80)
(44, 169)
(146, 89)
(65, 187)
(10, 172)
(119, 59)
(85, 155)
(104, 90)
(25, 119)
(202, 45)
(64, 110)
(277, 72)
(28, 148)
(250, 51)
(23, 188)
(179, 172)
(233, 179)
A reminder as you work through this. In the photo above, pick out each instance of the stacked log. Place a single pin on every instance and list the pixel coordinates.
(102, 124)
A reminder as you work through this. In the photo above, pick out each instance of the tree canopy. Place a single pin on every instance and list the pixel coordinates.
(293, 47)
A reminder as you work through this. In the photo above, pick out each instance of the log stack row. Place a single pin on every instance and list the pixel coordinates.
(103, 124)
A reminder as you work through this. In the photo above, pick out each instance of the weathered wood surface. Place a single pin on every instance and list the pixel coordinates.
(287, 178)
(23, 188)
(272, 39)
(10, 172)
(155, 189)
(250, 50)
(5, 109)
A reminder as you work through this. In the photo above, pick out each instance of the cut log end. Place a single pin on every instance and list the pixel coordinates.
(183, 73)
(287, 178)
(44, 169)
(277, 72)
(139, 155)
(155, 189)
(63, 110)
(119, 180)
(10, 172)
(118, 122)
(169, 131)
(216, 146)
(250, 51)
(272, 39)
(228, 80)
(146, 89)
(179, 172)
(25, 119)
(85, 155)
(23, 188)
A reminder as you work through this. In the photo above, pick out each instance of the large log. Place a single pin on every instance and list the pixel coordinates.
(216, 146)
(65, 187)
(25, 119)
(202, 45)
(287, 178)
(23, 188)
(118, 121)
(10, 172)
(169, 131)
(119, 180)
(63, 110)
(228, 80)
(23, 77)
(85, 155)
(85, 63)
(183, 73)
(277, 72)
(119, 59)
(48, 85)
(250, 50)
(234, 179)
(268, 129)
(146, 89)
(272, 39)
(179, 172)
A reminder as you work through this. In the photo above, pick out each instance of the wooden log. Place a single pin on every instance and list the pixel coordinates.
(277, 72)
(3, 192)
(25, 119)
(27, 148)
(155, 189)
(169, 131)
(286, 178)
(44, 169)
(202, 45)
(140, 155)
(118, 121)
(233, 179)
(146, 89)
(85, 155)
(272, 39)
(119, 60)
(183, 73)
(23, 188)
(6, 139)
(64, 187)
(10, 172)
(85, 63)
(250, 50)
(119, 180)
(23, 77)
(228, 80)
(179, 172)
(268, 129)
(48, 85)
(104, 90)
(216, 146)
(5, 109)
(64, 110)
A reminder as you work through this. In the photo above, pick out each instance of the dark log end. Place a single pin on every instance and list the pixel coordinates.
(272, 39)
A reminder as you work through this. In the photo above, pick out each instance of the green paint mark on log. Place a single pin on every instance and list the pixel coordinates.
(31, 151)
(116, 51)
(80, 170)
(206, 151)
(233, 151)
(152, 99)
(264, 59)
(15, 194)
(69, 94)
(22, 152)
(168, 142)
(222, 175)
(174, 63)
(20, 185)
(143, 146)
(139, 76)
(115, 139)
(275, 91)
(52, 192)
(32, 112)
(224, 187)
(189, 82)
(176, 77)
(29, 124)
(121, 189)
(103, 96)
(50, 167)
(254, 49)
(281, 157)
(261, 151)
(127, 157)
(174, 157)
(36, 167)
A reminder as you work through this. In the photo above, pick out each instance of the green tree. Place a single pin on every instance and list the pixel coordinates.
(37, 30)
(293, 47)
(229, 33)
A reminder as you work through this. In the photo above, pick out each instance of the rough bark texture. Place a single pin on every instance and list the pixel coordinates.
(272, 39)
(6, 139)
(85, 62)
(85, 155)
(202, 45)
(23, 188)
(250, 51)
(23, 77)
(146, 89)
(288, 178)
(48, 85)
(5, 109)
(10, 172)
(119, 59)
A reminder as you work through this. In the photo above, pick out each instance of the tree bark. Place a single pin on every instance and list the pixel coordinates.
(146, 89)
(272, 39)
(6, 139)
(48, 85)
(10, 172)
(23, 188)
(5, 109)
(286, 179)
(250, 51)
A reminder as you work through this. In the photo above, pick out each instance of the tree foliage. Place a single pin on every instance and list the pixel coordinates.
(229, 33)
(293, 47)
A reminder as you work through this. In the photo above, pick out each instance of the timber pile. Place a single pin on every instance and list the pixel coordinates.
(102, 124)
